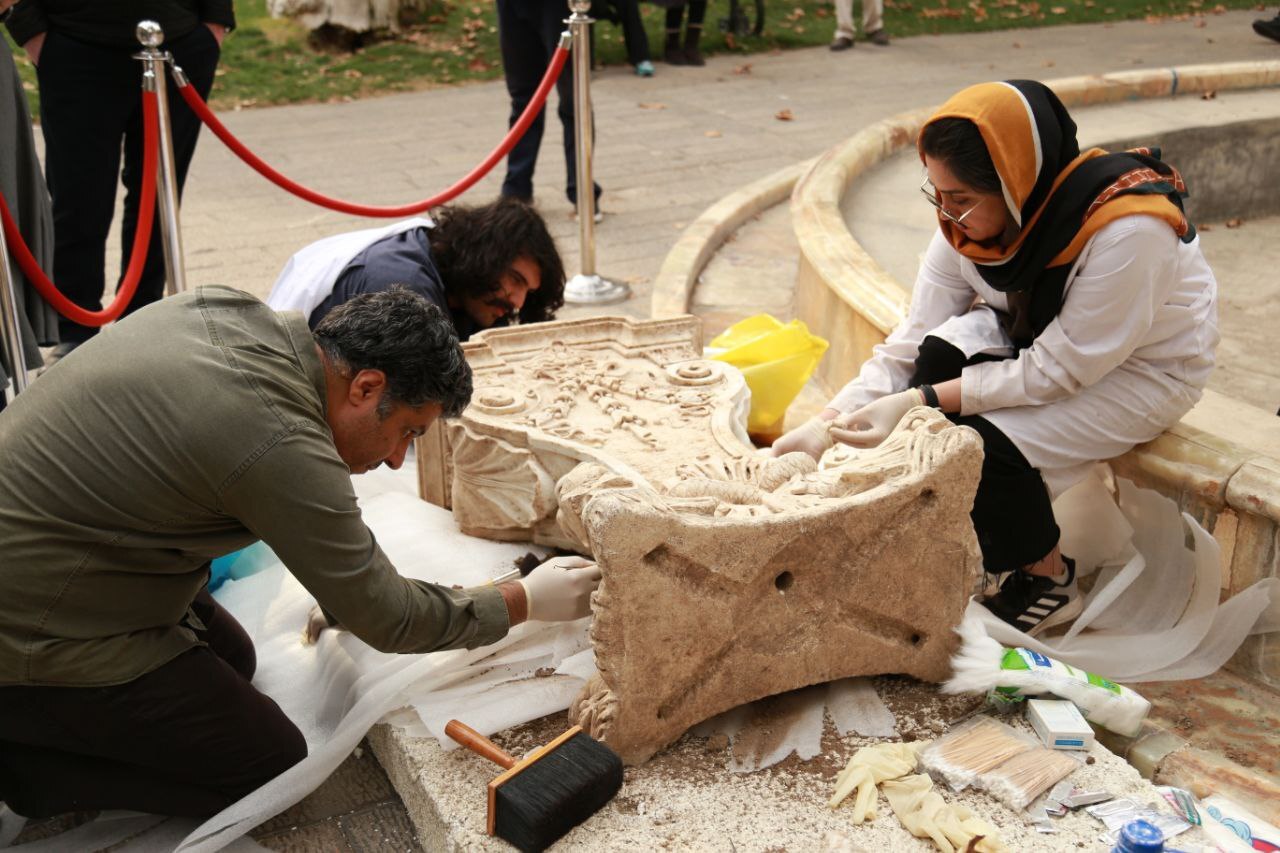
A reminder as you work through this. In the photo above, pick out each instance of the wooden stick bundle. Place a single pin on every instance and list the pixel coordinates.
(1027, 775)
(963, 754)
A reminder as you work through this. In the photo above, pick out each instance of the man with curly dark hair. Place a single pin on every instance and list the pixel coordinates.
(489, 265)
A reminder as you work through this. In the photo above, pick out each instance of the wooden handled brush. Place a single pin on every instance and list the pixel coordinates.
(558, 786)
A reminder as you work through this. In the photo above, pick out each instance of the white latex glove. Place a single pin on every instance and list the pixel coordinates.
(560, 589)
(871, 424)
(810, 437)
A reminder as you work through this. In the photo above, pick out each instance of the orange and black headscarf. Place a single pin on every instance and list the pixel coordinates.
(1058, 196)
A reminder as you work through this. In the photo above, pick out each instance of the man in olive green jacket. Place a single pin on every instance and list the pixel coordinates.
(203, 423)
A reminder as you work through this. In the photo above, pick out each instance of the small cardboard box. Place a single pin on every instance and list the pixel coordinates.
(1059, 724)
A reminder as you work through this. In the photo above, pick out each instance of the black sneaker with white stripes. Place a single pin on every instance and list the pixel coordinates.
(1032, 603)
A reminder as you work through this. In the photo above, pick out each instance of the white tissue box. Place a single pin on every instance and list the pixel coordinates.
(1059, 724)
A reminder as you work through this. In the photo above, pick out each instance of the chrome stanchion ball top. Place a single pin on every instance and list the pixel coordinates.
(149, 34)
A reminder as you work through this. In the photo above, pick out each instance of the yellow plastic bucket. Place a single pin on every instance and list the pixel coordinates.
(776, 359)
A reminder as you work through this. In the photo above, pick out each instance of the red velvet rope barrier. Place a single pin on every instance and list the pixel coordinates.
(201, 109)
(141, 240)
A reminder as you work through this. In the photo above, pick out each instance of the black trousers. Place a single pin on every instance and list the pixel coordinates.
(528, 32)
(188, 738)
(1012, 514)
(627, 13)
(91, 111)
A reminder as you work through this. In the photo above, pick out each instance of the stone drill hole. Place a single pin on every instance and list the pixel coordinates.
(915, 639)
(784, 581)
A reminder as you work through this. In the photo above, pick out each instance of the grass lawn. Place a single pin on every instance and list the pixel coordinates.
(269, 61)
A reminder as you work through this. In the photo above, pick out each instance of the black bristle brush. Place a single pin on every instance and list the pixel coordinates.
(540, 798)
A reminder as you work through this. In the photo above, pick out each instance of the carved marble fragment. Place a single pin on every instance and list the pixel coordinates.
(728, 575)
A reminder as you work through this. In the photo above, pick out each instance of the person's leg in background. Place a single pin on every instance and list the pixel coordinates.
(873, 22)
(87, 96)
(197, 54)
(693, 32)
(188, 738)
(672, 52)
(633, 34)
(843, 39)
(524, 62)
(550, 26)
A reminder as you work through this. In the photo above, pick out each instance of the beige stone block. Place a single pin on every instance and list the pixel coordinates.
(728, 576)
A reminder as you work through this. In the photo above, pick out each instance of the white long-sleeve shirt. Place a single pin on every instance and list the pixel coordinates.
(1137, 296)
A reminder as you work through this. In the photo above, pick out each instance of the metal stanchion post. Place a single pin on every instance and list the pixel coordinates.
(586, 288)
(10, 322)
(150, 36)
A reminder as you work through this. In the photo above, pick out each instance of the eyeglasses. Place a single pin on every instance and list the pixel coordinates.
(931, 195)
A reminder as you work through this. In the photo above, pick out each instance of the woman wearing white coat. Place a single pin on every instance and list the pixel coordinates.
(1063, 310)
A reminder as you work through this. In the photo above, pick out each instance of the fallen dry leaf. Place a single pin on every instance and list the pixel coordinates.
(1234, 222)
(712, 134)
(784, 115)
(745, 68)
(1048, 63)
(1204, 227)
(1208, 95)
(652, 106)
(1201, 23)
(1059, 10)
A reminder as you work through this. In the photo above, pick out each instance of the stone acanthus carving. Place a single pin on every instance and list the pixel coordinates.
(728, 575)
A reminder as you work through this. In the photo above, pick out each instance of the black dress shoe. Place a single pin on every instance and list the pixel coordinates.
(1270, 29)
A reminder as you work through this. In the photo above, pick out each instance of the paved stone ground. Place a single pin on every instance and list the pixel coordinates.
(667, 148)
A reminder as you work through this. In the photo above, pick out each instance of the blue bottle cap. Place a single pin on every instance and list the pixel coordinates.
(1140, 836)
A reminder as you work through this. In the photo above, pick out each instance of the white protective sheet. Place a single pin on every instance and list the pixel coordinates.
(1153, 613)
(765, 732)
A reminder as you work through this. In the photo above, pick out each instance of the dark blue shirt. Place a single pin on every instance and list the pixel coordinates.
(405, 259)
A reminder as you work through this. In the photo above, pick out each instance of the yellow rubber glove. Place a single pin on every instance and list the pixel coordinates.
(926, 815)
(869, 766)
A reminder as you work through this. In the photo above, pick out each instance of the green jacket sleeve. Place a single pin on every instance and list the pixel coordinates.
(296, 495)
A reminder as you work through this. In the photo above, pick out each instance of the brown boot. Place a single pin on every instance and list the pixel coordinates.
(692, 35)
(671, 52)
